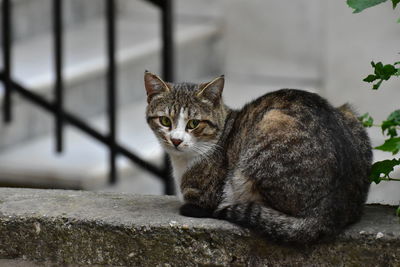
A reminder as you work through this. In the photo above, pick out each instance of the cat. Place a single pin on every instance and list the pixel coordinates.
(288, 165)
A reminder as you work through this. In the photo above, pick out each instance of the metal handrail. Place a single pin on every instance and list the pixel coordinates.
(56, 107)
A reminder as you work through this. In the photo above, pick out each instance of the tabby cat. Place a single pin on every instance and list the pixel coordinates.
(287, 165)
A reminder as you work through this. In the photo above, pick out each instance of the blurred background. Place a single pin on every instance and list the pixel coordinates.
(259, 45)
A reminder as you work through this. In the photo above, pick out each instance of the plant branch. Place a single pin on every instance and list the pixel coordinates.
(390, 179)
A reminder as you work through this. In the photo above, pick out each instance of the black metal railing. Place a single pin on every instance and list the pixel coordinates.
(56, 106)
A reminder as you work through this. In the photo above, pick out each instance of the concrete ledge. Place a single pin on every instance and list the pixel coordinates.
(86, 228)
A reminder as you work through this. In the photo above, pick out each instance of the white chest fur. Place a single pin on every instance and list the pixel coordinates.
(179, 167)
(180, 164)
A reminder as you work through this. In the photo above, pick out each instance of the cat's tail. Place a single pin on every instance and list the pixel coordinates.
(274, 225)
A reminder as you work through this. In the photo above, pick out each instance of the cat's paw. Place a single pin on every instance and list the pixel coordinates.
(191, 195)
(192, 210)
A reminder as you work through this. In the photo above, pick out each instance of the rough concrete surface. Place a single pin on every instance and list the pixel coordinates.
(58, 228)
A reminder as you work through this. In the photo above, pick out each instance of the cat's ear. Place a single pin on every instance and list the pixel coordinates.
(212, 90)
(154, 85)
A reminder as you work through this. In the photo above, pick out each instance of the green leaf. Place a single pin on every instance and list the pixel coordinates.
(384, 167)
(394, 117)
(378, 68)
(366, 120)
(392, 132)
(360, 5)
(384, 71)
(381, 73)
(377, 85)
(390, 124)
(398, 211)
(370, 78)
(394, 3)
(388, 70)
(390, 145)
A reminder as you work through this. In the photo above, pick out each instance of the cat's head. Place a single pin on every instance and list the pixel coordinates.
(187, 118)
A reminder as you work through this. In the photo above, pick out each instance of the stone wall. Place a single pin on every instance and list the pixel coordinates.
(45, 227)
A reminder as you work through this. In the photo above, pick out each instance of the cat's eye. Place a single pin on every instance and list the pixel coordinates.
(192, 124)
(165, 121)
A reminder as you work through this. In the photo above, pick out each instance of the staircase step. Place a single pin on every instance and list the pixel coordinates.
(83, 164)
(138, 49)
(188, 9)
(34, 17)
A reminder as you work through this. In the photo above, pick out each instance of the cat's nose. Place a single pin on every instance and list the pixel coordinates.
(176, 142)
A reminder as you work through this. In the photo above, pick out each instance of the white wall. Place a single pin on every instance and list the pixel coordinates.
(273, 38)
(352, 41)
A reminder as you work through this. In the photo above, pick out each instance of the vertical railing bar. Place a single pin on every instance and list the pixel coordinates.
(111, 86)
(167, 41)
(58, 68)
(167, 74)
(7, 31)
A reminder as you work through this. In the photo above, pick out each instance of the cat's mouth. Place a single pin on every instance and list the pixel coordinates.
(174, 149)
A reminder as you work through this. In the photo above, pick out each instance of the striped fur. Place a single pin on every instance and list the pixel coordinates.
(287, 165)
